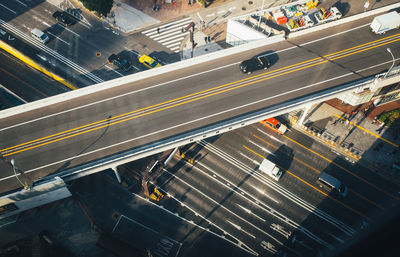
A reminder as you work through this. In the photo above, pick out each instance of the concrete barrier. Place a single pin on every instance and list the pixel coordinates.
(137, 77)
(173, 67)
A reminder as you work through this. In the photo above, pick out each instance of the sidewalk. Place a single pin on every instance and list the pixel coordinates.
(352, 134)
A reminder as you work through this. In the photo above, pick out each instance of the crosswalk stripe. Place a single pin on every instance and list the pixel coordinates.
(166, 25)
(166, 35)
(169, 35)
(172, 44)
(177, 27)
(174, 38)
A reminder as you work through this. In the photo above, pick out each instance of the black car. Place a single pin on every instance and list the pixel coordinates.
(255, 63)
(64, 18)
(120, 62)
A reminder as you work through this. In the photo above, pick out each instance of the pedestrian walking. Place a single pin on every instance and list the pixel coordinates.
(205, 39)
(208, 39)
(189, 3)
(158, 30)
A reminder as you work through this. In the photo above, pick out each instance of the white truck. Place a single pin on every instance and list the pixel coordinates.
(382, 23)
(270, 169)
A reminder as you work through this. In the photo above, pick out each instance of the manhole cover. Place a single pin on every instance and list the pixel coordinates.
(243, 8)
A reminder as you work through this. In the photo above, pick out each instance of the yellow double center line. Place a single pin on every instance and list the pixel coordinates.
(194, 97)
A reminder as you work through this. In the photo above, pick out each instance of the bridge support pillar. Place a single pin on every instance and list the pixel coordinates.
(171, 155)
(306, 109)
(115, 169)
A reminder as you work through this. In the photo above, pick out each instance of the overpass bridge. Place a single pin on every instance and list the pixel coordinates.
(122, 120)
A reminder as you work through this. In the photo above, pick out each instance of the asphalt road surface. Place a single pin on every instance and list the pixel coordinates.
(70, 133)
(23, 83)
(225, 188)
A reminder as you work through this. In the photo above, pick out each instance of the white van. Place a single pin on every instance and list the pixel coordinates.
(330, 183)
(270, 169)
(39, 35)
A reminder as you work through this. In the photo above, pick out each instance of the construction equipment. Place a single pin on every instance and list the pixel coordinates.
(156, 195)
(312, 4)
(299, 23)
(324, 16)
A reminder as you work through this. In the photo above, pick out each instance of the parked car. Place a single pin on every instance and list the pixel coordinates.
(275, 125)
(255, 63)
(149, 62)
(64, 18)
(120, 62)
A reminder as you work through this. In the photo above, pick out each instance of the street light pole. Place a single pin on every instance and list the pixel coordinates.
(15, 172)
(393, 60)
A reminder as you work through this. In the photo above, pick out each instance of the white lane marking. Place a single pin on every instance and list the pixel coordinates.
(288, 195)
(169, 33)
(261, 147)
(171, 39)
(221, 11)
(269, 247)
(58, 38)
(21, 3)
(236, 215)
(234, 190)
(112, 69)
(12, 93)
(250, 212)
(281, 230)
(50, 51)
(232, 8)
(173, 44)
(184, 78)
(167, 26)
(251, 159)
(210, 15)
(8, 8)
(240, 229)
(73, 32)
(270, 136)
(334, 35)
(181, 124)
(239, 244)
(175, 49)
(337, 238)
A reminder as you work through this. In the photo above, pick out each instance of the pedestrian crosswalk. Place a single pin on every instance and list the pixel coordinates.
(171, 34)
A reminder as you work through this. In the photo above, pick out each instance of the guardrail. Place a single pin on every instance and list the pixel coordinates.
(111, 162)
(175, 66)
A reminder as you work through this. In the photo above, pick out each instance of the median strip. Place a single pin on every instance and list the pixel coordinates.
(35, 65)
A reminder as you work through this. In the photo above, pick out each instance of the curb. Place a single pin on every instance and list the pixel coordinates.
(317, 136)
(33, 64)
